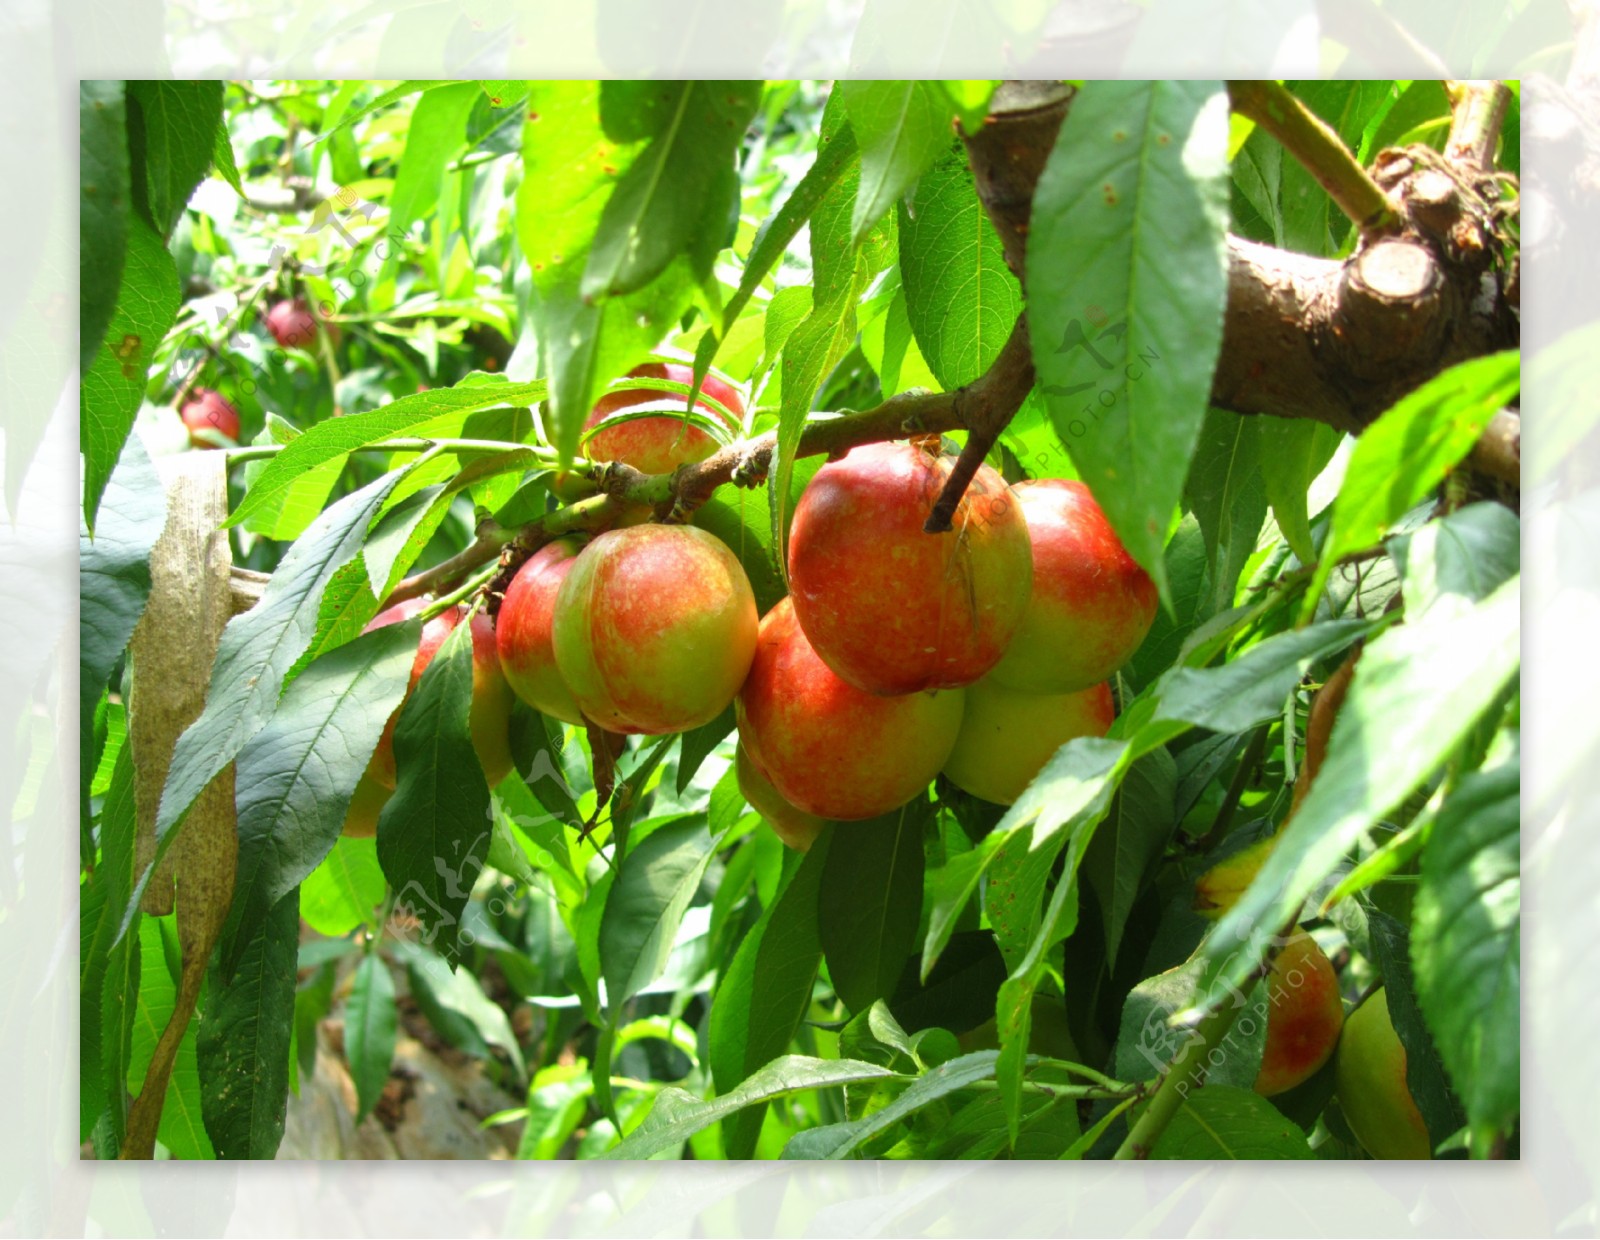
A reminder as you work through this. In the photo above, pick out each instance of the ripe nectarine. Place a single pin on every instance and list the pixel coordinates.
(1007, 737)
(292, 324)
(1303, 1017)
(490, 717)
(208, 415)
(658, 445)
(654, 628)
(1091, 604)
(1370, 1076)
(794, 827)
(829, 748)
(888, 607)
(523, 635)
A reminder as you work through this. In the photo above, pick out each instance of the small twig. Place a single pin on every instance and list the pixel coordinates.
(1319, 150)
(985, 408)
(254, 452)
(1477, 114)
(1186, 1071)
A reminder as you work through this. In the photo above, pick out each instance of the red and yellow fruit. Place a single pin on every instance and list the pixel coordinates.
(1370, 1076)
(794, 827)
(654, 628)
(1091, 604)
(1304, 1015)
(1007, 737)
(892, 609)
(292, 323)
(524, 634)
(489, 718)
(208, 415)
(658, 445)
(829, 748)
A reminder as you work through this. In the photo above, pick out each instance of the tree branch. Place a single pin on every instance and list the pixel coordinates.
(1477, 114)
(1319, 150)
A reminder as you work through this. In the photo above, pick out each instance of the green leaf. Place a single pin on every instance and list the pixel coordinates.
(114, 383)
(433, 834)
(259, 648)
(698, 745)
(902, 128)
(296, 775)
(335, 439)
(678, 1114)
(970, 101)
(766, 989)
(823, 337)
(369, 1031)
(505, 94)
(836, 153)
(1466, 944)
(570, 164)
(172, 139)
(652, 891)
(1225, 1121)
(181, 1128)
(108, 969)
(1293, 452)
(1459, 559)
(557, 1099)
(870, 902)
(103, 198)
(680, 191)
(1148, 1041)
(961, 298)
(1130, 842)
(222, 157)
(455, 1004)
(841, 1140)
(244, 1040)
(1409, 705)
(113, 583)
(392, 95)
(436, 133)
(345, 890)
(1407, 452)
(1225, 492)
(1127, 274)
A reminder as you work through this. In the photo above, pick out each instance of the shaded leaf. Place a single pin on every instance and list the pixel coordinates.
(172, 137)
(1226, 1121)
(103, 200)
(244, 1038)
(1127, 270)
(369, 1031)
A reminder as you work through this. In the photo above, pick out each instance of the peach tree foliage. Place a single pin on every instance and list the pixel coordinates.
(631, 953)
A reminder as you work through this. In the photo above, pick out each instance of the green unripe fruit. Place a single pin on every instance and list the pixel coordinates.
(1370, 1079)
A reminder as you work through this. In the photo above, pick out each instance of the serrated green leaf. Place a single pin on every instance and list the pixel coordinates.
(1407, 708)
(436, 133)
(113, 583)
(1226, 494)
(244, 1037)
(433, 834)
(678, 192)
(1226, 1121)
(114, 383)
(1293, 452)
(370, 1025)
(1466, 948)
(296, 775)
(172, 137)
(765, 991)
(902, 128)
(841, 1140)
(961, 299)
(1128, 277)
(334, 440)
(103, 208)
(657, 880)
(678, 1114)
(1407, 452)
(1131, 841)
(258, 649)
(870, 902)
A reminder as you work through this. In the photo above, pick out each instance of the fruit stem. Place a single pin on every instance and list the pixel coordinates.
(255, 452)
(1188, 1068)
(1319, 150)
